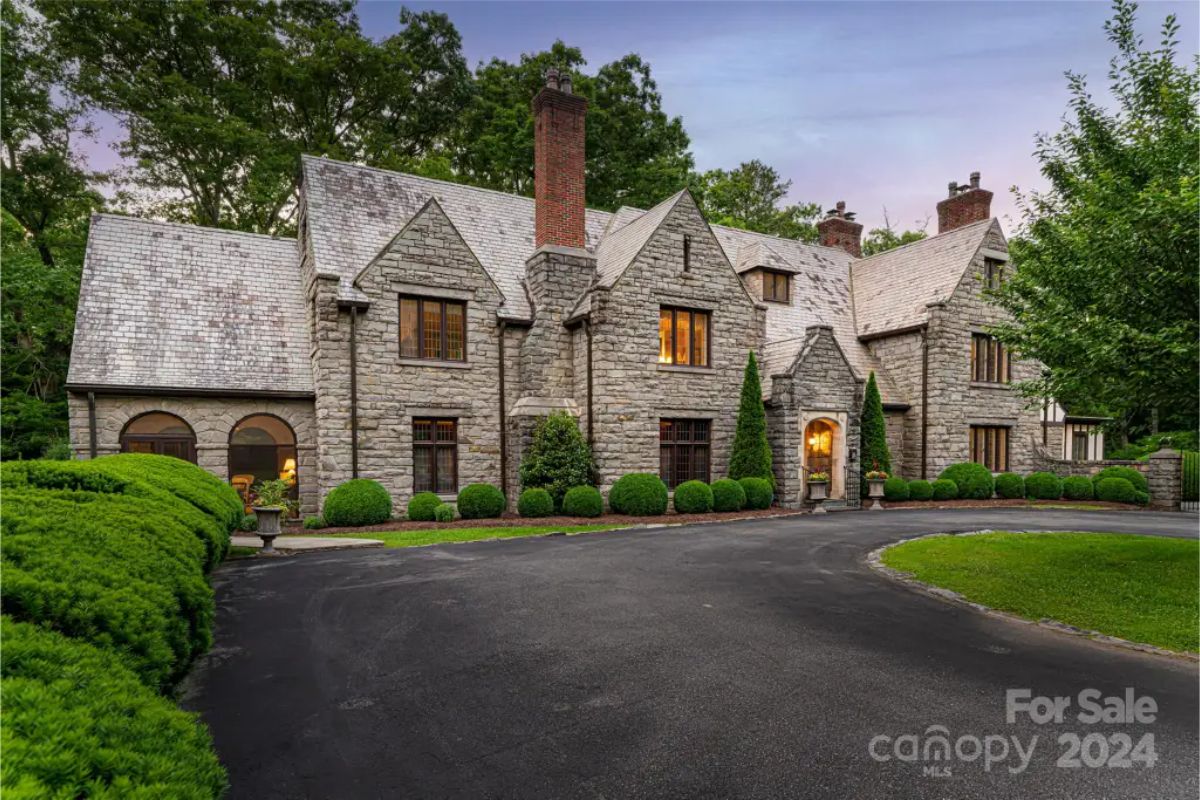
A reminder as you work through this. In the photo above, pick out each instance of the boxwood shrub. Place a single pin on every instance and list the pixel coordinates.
(1010, 486)
(1135, 477)
(759, 494)
(1141, 498)
(728, 495)
(314, 522)
(1115, 490)
(249, 524)
(1043, 486)
(535, 502)
(356, 503)
(1077, 487)
(919, 490)
(895, 489)
(78, 723)
(944, 489)
(444, 513)
(480, 501)
(974, 481)
(422, 506)
(639, 494)
(583, 501)
(693, 497)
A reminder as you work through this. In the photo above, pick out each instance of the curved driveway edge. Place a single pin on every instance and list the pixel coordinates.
(875, 562)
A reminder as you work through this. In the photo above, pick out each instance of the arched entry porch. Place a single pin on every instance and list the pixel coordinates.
(823, 449)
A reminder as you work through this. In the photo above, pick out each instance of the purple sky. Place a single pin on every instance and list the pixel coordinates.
(879, 104)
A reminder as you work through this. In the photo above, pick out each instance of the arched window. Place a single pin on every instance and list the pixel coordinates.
(159, 433)
(262, 447)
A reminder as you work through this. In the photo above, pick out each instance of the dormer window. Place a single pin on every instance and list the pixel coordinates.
(777, 286)
(993, 273)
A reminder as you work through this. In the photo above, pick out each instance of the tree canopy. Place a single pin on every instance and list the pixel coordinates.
(1105, 291)
(750, 197)
(886, 238)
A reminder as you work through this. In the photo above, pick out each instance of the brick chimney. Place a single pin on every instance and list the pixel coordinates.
(558, 157)
(839, 229)
(966, 204)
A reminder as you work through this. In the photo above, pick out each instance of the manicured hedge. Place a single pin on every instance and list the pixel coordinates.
(112, 569)
(1043, 486)
(759, 494)
(356, 503)
(728, 495)
(78, 723)
(1077, 487)
(583, 501)
(444, 513)
(693, 497)
(974, 481)
(1115, 490)
(1010, 486)
(480, 501)
(944, 489)
(422, 506)
(1135, 477)
(535, 503)
(1191, 476)
(314, 522)
(639, 494)
(919, 490)
(895, 489)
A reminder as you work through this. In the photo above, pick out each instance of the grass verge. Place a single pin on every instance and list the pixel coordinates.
(440, 535)
(1140, 588)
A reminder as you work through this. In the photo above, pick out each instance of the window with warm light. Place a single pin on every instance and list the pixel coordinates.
(262, 447)
(683, 338)
(434, 330)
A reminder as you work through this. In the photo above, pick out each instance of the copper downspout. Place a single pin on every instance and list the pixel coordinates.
(587, 329)
(92, 449)
(924, 402)
(353, 392)
(503, 419)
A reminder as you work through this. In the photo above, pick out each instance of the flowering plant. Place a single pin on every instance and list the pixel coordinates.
(818, 476)
(877, 475)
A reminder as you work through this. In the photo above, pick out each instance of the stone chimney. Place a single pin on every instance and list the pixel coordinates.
(558, 161)
(839, 229)
(966, 204)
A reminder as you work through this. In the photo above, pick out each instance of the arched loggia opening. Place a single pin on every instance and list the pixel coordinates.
(262, 447)
(161, 434)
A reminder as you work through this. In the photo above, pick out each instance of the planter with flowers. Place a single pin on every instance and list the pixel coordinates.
(271, 502)
(818, 490)
(875, 480)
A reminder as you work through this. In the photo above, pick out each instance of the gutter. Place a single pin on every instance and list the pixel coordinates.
(924, 404)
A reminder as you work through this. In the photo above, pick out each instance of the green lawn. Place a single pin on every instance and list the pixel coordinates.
(1141, 588)
(236, 551)
(438, 535)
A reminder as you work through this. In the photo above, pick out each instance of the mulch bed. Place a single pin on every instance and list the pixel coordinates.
(510, 520)
(1001, 503)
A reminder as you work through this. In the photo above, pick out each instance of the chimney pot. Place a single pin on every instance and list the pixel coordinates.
(564, 84)
(966, 204)
(839, 229)
(953, 188)
(974, 180)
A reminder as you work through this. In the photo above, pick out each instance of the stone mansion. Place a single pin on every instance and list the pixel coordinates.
(415, 331)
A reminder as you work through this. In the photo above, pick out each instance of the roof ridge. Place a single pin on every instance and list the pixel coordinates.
(989, 220)
(773, 237)
(191, 226)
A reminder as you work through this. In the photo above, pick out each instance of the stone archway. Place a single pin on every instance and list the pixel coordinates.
(823, 449)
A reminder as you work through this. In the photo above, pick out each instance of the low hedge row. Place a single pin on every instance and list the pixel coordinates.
(106, 605)
(1008, 485)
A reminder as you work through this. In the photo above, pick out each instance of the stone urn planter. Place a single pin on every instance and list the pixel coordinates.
(875, 492)
(268, 525)
(818, 493)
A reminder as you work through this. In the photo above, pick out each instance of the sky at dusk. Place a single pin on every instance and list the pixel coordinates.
(877, 104)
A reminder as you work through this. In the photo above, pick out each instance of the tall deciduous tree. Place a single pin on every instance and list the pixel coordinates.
(750, 197)
(1105, 292)
(873, 432)
(750, 456)
(879, 240)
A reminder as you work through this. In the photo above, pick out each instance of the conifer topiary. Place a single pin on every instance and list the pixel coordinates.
(751, 453)
(873, 433)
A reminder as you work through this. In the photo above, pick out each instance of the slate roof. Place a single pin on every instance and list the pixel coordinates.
(894, 287)
(354, 211)
(759, 254)
(622, 243)
(163, 305)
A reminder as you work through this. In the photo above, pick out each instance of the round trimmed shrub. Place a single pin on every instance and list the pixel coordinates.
(444, 513)
(895, 490)
(314, 523)
(422, 506)
(639, 494)
(1141, 498)
(919, 490)
(480, 501)
(358, 502)
(248, 523)
(1043, 486)
(1010, 486)
(759, 494)
(535, 502)
(728, 495)
(693, 497)
(583, 501)
(974, 481)
(1135, 477)
(1115, 490)
(1077, 487)
(944, 489)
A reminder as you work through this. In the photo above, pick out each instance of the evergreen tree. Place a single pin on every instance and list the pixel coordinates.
(751, 456)
(873, 433)
(558, 459)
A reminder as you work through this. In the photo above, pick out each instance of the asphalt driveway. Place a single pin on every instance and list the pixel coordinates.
(752, 659)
